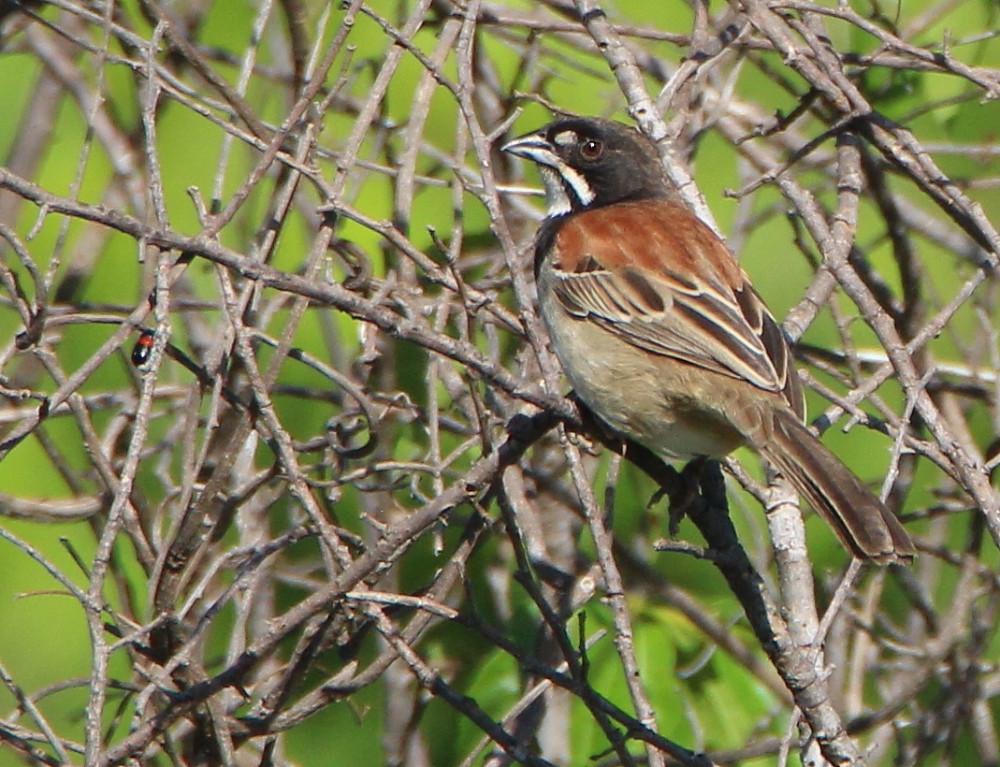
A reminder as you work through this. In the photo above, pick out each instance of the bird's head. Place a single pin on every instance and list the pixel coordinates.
(588, 162)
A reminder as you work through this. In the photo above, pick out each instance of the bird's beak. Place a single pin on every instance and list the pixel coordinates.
(534, 147)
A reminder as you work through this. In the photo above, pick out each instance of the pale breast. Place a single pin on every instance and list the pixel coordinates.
(655, 400)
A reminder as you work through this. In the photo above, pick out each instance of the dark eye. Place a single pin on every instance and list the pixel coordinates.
(591, 149)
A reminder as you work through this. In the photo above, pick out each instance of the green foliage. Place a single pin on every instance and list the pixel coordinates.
(430, 365)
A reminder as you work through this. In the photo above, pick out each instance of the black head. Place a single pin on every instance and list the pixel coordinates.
(587, 162)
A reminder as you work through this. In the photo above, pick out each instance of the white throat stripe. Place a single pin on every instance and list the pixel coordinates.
(556, 200)
(577, 183)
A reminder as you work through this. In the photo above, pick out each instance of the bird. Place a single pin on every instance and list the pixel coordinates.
(660, 332)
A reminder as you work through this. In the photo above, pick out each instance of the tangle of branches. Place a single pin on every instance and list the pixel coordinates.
(280, 419)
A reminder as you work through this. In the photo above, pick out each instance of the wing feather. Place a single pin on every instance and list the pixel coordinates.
(673, 289)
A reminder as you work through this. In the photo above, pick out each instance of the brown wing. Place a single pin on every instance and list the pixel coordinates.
(680, 293)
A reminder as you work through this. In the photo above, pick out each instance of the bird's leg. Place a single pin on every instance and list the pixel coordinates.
(683, 487)
(686, 499)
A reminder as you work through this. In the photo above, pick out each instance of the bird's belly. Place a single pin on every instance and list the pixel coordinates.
(669, 406)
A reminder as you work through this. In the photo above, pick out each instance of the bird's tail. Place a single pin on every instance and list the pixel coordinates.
(860, 520)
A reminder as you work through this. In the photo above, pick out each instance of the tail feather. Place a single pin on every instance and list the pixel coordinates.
(860, 520)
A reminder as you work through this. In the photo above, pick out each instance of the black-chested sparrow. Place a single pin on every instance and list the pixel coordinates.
(660, 332)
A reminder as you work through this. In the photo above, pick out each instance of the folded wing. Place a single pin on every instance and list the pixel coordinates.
(686, 298)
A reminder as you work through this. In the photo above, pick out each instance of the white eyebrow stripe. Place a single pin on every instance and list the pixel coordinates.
(565, 138)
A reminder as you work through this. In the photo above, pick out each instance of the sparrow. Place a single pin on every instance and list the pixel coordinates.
(660, 332)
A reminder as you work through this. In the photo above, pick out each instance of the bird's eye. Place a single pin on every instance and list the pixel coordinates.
(591, 148)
